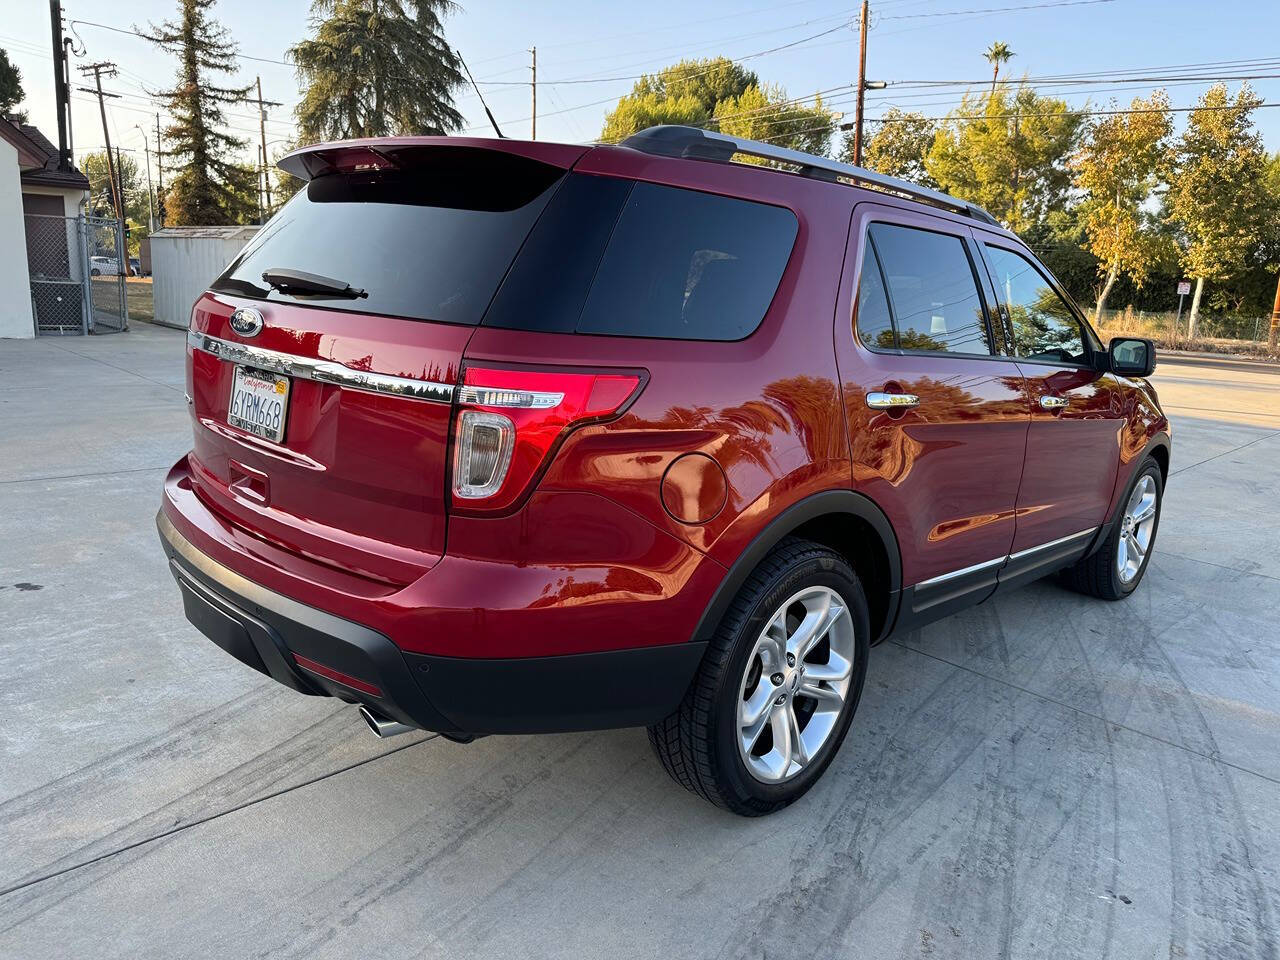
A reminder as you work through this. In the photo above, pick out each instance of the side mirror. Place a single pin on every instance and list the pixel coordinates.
(1132, 356)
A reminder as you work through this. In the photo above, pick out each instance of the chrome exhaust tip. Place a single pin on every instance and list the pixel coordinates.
(383, 727)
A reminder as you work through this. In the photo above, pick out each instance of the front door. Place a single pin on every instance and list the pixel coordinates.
(1073, 448)
(937, 417)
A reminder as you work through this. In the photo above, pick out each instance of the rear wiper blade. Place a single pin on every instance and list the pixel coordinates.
(297, 281)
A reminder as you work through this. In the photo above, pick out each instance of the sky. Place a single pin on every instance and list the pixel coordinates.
(805, 46)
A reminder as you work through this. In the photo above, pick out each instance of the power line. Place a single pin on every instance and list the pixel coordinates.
(958, 13)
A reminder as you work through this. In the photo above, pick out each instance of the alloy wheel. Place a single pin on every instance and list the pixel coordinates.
(795, 684)
(1136, 527)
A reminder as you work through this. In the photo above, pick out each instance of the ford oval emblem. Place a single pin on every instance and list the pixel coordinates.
(247, 322)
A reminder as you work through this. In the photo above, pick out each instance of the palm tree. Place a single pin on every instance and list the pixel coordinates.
(997, 54)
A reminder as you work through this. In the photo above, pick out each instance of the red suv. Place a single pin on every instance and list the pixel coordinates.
(506, 437)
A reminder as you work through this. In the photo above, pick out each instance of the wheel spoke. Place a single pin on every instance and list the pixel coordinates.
(799, 753)
(778, 760)
(836, 668)
(1135, 548)
(1146, 509)
(817, 621)
(817, 690)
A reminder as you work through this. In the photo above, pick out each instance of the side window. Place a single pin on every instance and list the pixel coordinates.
(875, 325)
(1044, 327)
(933, 294)
(688, 266)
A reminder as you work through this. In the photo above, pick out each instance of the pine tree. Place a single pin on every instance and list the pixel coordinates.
(376, 68)
(210, 187)
(10, 88)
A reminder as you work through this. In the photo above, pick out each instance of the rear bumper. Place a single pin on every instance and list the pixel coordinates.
(315, 652)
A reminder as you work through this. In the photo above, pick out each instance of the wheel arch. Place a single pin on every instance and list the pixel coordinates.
(847, 522)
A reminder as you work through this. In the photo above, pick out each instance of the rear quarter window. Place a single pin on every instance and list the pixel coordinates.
(617, 258)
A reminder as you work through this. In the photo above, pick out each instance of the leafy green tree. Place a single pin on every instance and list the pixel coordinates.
(998, 53)
(765, 113)
(10, 87)
(686, 92)
(898, 147)
(636, 112)
(1007, 152)
(1116, 168)
(376, 68)
(208, 187)
(1218, 197)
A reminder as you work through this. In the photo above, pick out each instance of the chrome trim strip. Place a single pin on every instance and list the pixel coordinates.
(1053, 543)
(321, 371)
(963, 571)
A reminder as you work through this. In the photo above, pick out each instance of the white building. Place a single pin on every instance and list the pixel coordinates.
(41, 259)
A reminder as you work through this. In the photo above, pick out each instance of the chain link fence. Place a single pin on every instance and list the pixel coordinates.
(77, 274)
(1170, 330)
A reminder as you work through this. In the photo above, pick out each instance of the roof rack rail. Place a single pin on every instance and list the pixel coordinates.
(674, 140)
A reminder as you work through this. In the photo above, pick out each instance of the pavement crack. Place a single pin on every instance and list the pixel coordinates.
(211, 817)
(1189, 466)
(1087, 713)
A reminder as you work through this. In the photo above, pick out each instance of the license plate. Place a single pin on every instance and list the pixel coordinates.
(259, 403)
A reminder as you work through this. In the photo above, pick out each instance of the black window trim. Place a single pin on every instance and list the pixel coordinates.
(962, 233)
(1094, 348)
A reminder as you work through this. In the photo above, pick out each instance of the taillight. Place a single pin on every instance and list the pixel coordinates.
(509, 421)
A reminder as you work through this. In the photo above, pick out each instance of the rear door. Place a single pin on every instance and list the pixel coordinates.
(937, 417)
(1073, 447)
(326, 431)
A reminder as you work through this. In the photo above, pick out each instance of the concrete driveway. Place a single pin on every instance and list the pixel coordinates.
(1044, 776)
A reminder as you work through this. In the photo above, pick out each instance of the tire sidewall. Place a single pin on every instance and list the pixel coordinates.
(826, 571)
(1152, 469)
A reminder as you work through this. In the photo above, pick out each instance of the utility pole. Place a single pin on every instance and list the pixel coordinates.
(862, 85)
(60, 85)
(123, 253)
(98, 69)
(67, 45)
(151, 209)
(534, 87)
(159, 172)
(262, 131)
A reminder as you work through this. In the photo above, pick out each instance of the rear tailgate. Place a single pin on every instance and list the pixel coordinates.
(355, 474)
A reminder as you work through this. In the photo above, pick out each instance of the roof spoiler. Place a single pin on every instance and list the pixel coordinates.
(392, 153)
(694, 143)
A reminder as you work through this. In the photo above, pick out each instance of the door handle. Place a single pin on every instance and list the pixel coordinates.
(892, 401)
(1053, 403)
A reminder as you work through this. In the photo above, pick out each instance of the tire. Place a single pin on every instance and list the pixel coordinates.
(95, 272)
(699, 744)
(1102, 575)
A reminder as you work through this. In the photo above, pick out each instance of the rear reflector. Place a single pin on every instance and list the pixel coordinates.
(509, 421)
(337, 676)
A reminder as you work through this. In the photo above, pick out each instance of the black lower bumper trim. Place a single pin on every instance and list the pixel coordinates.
(453, 696)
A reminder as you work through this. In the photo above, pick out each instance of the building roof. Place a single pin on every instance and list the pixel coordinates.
(38, 158)
(232, 232)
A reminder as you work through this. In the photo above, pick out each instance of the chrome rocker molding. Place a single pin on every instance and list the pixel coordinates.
(321, 371)
(948, 593)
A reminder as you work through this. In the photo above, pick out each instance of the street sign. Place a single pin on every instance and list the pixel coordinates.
(1184, 287)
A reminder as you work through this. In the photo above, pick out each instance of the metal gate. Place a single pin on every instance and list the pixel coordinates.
(77, 275)
(108, 267)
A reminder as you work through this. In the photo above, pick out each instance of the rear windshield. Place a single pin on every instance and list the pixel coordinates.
(629, 259)
(429, 243)
(596, 255)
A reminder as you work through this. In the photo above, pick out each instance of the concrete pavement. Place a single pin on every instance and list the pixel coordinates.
(1043, 776)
